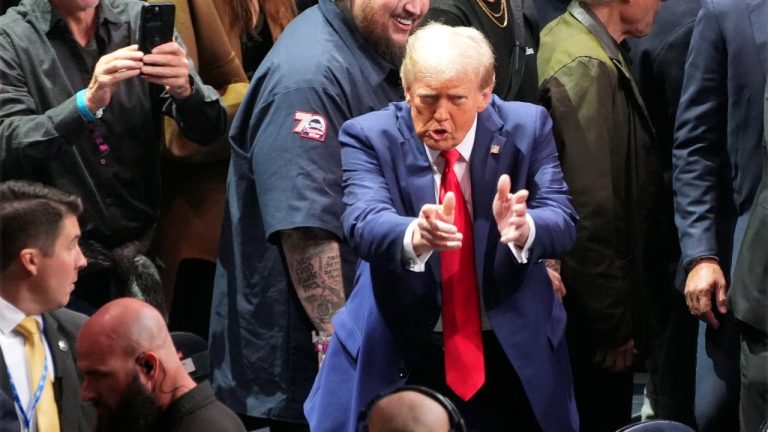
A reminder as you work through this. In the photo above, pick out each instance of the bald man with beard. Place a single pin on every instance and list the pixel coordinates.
(135, 379)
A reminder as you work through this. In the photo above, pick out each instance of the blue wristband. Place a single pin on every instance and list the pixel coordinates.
(82, 108)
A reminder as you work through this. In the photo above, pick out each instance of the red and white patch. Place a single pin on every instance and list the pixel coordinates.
(310, 125)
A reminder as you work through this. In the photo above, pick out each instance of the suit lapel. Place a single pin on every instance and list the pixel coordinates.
(484, 174)
(65, 382)
(758, 14)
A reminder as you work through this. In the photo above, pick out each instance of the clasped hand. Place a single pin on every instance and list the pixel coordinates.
(705, 281)
(435, 230)
(166, 65)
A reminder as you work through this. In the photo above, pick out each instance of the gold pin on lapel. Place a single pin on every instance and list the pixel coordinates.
(495, 148)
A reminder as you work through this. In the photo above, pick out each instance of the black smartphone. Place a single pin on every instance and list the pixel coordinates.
(156, 25)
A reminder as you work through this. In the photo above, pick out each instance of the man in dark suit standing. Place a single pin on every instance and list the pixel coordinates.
(40, 261)
(716, 166)
(658, 66)
(452, 296)
(748, 300)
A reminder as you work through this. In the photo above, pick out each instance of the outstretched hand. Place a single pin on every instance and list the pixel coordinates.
(435, 229)
(509, 210)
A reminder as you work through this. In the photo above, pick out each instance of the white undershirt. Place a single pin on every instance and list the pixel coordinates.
(12, 345)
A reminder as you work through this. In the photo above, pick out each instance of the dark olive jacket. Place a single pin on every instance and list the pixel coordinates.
(605, 141)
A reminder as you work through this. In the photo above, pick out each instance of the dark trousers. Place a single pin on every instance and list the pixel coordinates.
(672, 365)
(501, 404)
(717, 376)
(603, 398)
(753, 410)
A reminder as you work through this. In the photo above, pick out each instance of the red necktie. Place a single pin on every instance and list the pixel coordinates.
(462, 332)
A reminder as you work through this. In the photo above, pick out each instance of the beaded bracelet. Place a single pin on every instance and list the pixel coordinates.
(321, 341)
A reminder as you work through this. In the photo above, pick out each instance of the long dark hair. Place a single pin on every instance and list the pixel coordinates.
(278, 13)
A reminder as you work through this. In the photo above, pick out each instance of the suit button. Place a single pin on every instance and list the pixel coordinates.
(403, 373)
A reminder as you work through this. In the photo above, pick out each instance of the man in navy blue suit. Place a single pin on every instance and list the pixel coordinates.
(716, 170)
(399, 325)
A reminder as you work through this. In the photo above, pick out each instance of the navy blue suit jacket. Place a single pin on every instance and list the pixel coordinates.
(392, 310)
(718, 132)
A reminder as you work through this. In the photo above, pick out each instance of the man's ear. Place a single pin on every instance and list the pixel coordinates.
(486, 94)
(408, 96)
(30, 260)
(148, 363)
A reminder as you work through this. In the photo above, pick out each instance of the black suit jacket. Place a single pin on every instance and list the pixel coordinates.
(748, 296)
(61, 328)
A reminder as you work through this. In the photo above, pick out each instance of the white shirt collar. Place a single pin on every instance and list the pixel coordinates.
(11, 316)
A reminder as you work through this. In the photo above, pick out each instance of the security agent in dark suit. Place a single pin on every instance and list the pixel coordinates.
(716, 165)
(658, 66)
(748, 300)
(40, 261)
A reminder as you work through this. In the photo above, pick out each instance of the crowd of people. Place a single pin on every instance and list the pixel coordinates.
(384, 215)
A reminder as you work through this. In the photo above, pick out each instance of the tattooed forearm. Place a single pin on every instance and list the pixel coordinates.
(314, 264)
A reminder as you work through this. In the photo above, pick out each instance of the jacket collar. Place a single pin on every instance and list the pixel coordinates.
(614, 51)
(590, 21)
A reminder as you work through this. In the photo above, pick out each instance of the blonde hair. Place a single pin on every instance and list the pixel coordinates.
(437, 52)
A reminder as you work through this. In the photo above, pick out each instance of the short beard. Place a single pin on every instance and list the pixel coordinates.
(136, 411)
(376, 36)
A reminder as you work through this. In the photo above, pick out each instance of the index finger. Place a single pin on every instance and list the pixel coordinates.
(709, 318)
(520, 196)
(129, 52)
(167, 48)
(721, 298)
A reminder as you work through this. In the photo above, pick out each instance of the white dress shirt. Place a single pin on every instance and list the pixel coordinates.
(461, 169)
(12, 345)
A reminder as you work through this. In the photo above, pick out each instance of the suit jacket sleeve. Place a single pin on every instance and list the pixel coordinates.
(548, 202)
(597, 268)
(700, 138)
(371, 222)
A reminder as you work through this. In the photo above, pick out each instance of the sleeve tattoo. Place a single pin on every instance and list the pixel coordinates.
(314, 263)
